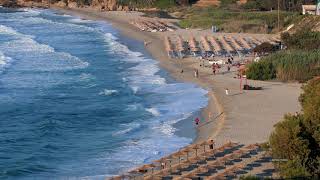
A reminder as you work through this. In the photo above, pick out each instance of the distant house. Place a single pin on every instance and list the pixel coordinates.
(309, 9)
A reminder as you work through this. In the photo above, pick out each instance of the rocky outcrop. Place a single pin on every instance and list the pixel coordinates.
(108, 5)
(100, 5)
(9, 3)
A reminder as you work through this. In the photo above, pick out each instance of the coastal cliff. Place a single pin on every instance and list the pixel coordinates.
(101, 5)
(107, 5)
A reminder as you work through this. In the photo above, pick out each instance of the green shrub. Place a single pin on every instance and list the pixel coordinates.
(297, 138)
(286, 66)
(263, 70)
(265, 48)
(304, 39)
(164, 4)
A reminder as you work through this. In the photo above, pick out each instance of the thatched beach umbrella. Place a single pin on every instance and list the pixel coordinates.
(256, 40)
(243, 42)
(225, 44)
(215, 44)
(178, 155)
(235, 44)
(204, 144)
(196, 147)
(193, 44)
(167, 43)
(180, 45)
(205, 44)
(186, 150)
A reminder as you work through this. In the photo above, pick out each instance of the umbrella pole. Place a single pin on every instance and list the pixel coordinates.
(152, 170)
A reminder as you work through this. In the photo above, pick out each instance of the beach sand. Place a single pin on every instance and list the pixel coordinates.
(245, 117)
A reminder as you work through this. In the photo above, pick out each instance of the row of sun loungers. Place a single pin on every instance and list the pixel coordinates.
(199, 161)
(151, 25)
(211, 45)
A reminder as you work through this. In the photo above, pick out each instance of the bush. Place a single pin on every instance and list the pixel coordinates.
(304, 39)
(265, 48)
(263, 70)
(164, 4)
(286, 66)
(297, 138)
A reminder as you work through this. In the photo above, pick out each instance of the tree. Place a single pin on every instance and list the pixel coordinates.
(297, 138)
(265, 48)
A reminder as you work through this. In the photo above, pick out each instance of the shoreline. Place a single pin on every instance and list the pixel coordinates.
(247, 117)
(171, 66)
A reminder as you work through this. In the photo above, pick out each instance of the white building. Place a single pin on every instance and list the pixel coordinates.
(309, 9)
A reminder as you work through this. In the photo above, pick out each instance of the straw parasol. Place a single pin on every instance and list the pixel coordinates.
(204, 144)
(215, 44)
(225, 44)
(244, 43)
(180, 45)
(193, 44)
(205, 44)
(186, 150)
(167, 44)
(235, 44)
(195, 147)
(178, 155)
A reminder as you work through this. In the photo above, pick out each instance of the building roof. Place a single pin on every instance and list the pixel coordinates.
(309, 7)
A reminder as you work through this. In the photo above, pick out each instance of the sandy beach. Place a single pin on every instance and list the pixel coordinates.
(242, 116)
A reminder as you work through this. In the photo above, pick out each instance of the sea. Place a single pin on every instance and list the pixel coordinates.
(80, 101)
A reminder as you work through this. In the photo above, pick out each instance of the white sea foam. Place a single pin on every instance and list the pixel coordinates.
(126, 128)
(4, 62)
(79, 20)
(108, 92)
(135, 89)
(29, 12)
(153, 111)
(134, 107)
(176, 102)
(10, 31)
(25, 46)
(86, 77)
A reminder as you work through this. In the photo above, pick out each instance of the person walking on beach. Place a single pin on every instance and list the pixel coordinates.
(163, 165)
(197, 121)
(228, 67)
(214, 69)
(227, 91)
(196, 73)
(211, 144)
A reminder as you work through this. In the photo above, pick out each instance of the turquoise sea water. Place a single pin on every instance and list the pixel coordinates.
(78, 101)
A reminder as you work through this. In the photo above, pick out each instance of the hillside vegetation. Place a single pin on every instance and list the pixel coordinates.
(236, 21)
(296, 139)
(300, 62)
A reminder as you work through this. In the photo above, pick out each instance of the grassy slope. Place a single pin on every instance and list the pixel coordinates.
(236, 21)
